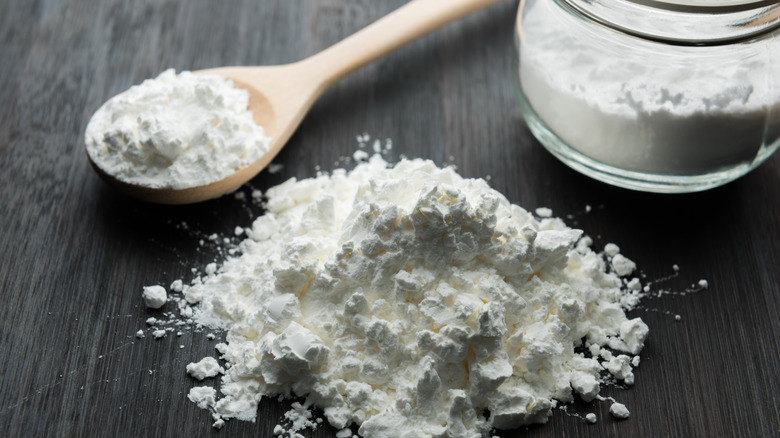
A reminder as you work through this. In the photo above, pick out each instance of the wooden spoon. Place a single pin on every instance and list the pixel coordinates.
(281, 95)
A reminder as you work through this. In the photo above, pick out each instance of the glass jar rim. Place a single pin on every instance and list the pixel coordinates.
(683, 22)
(705, 5)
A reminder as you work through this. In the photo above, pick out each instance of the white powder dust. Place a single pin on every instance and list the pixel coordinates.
(175, 131)
(408, 299)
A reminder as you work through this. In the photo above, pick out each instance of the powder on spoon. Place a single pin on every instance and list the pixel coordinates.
(175, 132)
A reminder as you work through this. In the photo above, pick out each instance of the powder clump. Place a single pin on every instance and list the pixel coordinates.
(408, 299)
(619, 411)
(205, 368)
(154, 296)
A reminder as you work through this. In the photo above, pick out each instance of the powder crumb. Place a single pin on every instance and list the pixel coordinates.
(360, 155)
(634, 284)
(677, 317)
(278, 429)
(611, 249)
(154, 296)
(619, 410)
(544, 212)
(210, 336)
(238, 231)
(676, 268)
(211, 268)
(203, 396)
(299, 417)
(151, 320)
(588, 208)
(275, 168)
(177, 285)
(139, 334)
(239, 196)
(207, 367)
(623, 266)
(704, 284)
(344, 433)
(158, 334)
(218, 424)
(620, 367)
(591, 417)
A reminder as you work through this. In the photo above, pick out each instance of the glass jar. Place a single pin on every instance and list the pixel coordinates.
(660, 96)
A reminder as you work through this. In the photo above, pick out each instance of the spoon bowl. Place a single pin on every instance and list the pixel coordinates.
(281, 95)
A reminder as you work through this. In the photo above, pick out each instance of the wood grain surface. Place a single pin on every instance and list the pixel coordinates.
(74, 253)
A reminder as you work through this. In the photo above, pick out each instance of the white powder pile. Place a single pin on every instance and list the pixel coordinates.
(627, 103)
(409, 300)
(175, 131)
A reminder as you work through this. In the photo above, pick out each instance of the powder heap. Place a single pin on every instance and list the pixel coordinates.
(175, 131)
(408, 299)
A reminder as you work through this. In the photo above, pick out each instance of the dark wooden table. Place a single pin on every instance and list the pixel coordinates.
(74, 253)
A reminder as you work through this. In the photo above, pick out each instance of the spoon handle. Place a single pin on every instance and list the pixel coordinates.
(401, 26)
